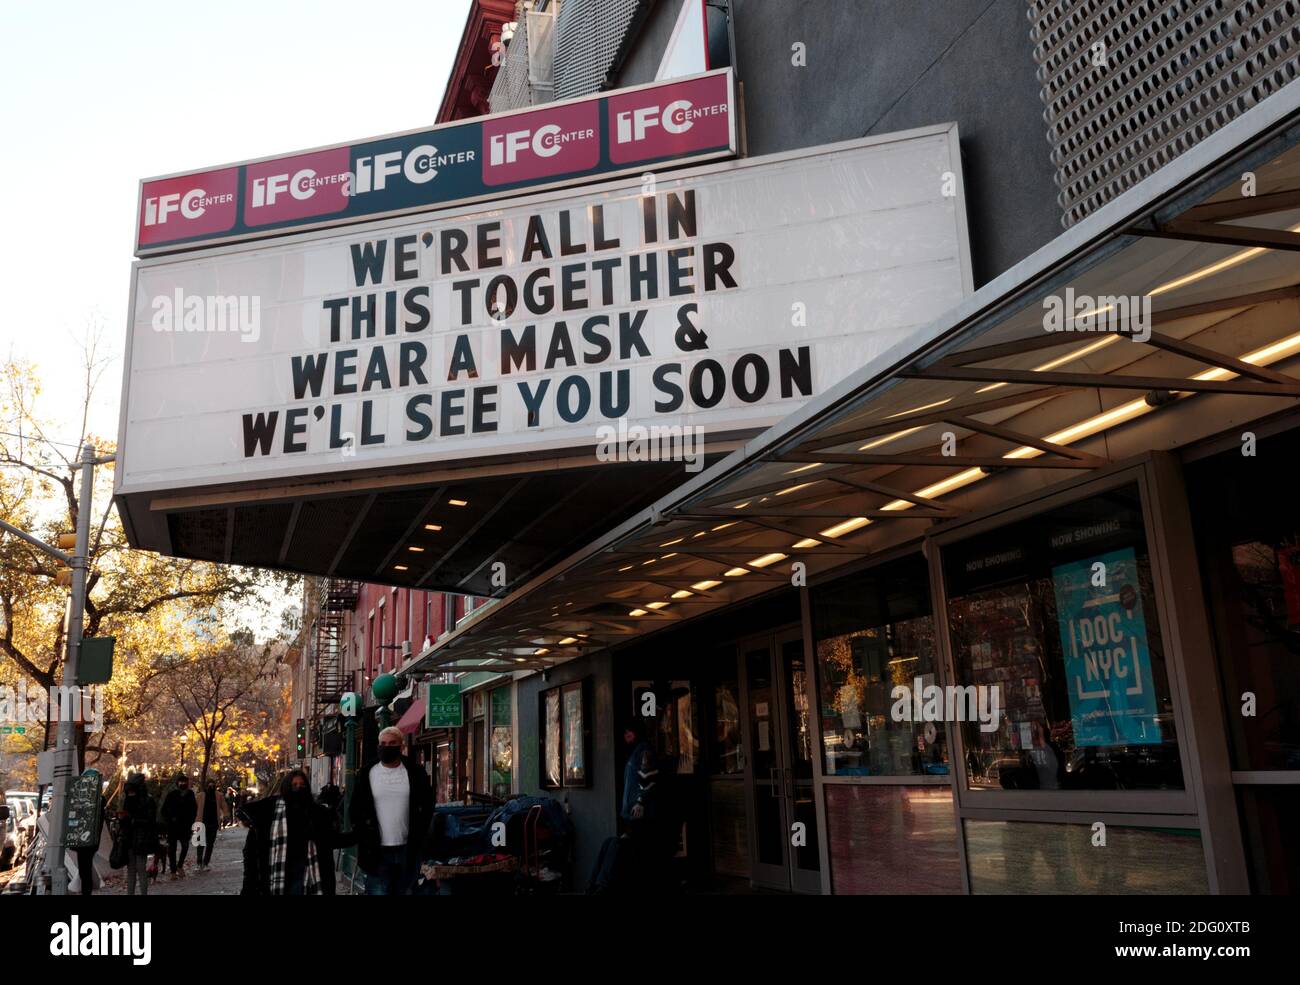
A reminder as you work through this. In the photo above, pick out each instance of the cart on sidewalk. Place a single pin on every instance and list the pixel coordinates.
(521, 845)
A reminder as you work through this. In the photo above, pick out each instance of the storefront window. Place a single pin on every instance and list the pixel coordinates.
(502, 751)
(670, 707)
(1249, 546)
(1054, 621)
(1021, 858)
(892, 839)
(874, 633)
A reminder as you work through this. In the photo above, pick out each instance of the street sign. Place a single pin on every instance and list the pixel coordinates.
(562, 143)
(442, 706)
(95, 664)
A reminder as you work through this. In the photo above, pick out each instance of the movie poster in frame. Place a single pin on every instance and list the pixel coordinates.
(552, 775)
(573, 701)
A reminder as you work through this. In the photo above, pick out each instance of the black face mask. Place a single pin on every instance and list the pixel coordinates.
(302, 796)
(390, 754)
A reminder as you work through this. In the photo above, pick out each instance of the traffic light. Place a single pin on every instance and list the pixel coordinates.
(65, 542)
(302, 738)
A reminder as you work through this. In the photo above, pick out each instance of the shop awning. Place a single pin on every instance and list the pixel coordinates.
(413, 718)
(983, 405)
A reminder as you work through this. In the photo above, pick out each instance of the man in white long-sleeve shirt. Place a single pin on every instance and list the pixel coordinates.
(391, 810)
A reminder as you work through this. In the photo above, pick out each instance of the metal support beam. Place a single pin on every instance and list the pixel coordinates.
(896, 424)
(1217, 232)
(949, 461)
(1242, 207)
(1104, 381)
(1020, 438)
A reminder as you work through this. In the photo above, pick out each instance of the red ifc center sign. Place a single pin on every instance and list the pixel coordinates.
(201, 203)
(576, 141)
(678, 120)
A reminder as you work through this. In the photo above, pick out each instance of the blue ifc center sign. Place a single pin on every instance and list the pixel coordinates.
(1107, 662)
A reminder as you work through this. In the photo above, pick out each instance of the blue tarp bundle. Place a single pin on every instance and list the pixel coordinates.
(460, 836)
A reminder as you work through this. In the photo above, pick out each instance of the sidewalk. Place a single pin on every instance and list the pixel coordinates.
(223, 878)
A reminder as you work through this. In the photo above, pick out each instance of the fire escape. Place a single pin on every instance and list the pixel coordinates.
(335, 598)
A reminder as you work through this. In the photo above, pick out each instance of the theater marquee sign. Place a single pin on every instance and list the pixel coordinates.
(721, 297)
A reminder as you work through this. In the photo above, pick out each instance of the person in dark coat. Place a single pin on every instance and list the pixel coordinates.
(652, 825)
(391, 810)
(210, 824)
(634, 737)
(137, 818)
(179, 810)
(290, 843)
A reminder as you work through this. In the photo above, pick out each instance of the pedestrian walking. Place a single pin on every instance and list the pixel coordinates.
(230, 805)
(391, 809)
(179, 810)
(207, 813)
(290, 843)
(137, 820)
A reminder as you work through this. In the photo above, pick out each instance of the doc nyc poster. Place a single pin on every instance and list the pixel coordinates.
(720, 297)
(1107, 662)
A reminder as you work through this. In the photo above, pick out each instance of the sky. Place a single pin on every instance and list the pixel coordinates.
(95, 96)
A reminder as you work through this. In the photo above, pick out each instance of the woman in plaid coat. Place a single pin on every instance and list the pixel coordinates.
(290, 843)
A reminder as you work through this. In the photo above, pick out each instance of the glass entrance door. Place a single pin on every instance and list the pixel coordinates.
(780, 792)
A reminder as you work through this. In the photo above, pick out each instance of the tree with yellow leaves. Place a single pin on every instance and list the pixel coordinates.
(152, 604)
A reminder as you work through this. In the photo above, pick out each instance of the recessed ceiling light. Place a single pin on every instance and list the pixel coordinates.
(435, 527)
(655, 605)
(458, 502)
(704, 586)
(682, 594)
(400, 567)
(637, 612)
(415, 550)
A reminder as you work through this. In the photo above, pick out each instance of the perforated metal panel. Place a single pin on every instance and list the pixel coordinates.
(511, 89)
(1170, 72)
(588, 35)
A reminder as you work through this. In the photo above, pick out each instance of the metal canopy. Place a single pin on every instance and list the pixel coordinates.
(983, 404)
(440, 531)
